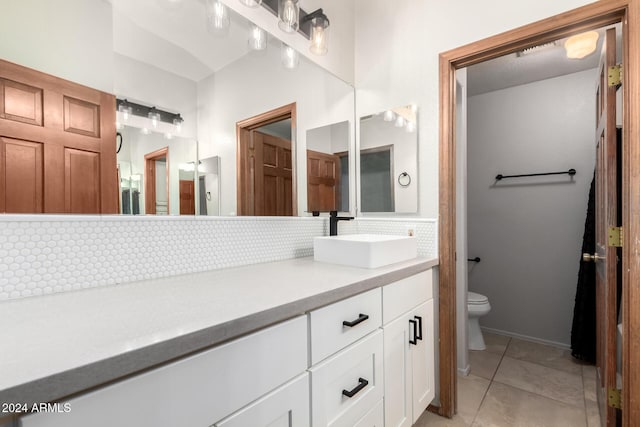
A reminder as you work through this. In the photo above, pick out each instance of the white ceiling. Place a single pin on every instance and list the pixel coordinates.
(172, 35)
(513, 70)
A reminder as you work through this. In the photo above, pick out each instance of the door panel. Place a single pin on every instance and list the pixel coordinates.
(606, 216)
(187, 197)
(75, 129)
(323, 181)
(22, 184)
(423, 382)
(273, 184)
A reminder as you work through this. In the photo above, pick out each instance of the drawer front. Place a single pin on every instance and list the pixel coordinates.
(329, 334)
(374, 418)
(287, 406)
(346, 373)
(403, 295)
(195, 391)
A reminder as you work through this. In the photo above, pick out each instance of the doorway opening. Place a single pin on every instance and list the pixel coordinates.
(266, 170)
(592, 16)
(156, 182)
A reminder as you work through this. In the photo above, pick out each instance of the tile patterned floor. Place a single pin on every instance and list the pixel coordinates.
(517, 383)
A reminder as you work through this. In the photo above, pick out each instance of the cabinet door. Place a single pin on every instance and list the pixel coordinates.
(287, 406)
(422, 360)
(397, 373)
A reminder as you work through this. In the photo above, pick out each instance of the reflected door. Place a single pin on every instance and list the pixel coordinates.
(323, 181)
(57, 145)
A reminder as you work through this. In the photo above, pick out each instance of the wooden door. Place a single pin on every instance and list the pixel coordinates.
(187, 197)
(606, 216)
(150, 180)
(273, 172)
(323, 181)
(57, 145)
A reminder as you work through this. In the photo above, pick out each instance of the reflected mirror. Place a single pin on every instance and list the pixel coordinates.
(388, 161)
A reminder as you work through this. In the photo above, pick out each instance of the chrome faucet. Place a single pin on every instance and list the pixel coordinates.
(333, 222)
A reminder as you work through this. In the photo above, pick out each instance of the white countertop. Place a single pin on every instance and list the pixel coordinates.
(58, 345)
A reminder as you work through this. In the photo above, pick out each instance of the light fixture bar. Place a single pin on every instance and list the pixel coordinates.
(143, 111)
(304, 28)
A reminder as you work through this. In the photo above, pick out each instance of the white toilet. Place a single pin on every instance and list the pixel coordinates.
(477, 306)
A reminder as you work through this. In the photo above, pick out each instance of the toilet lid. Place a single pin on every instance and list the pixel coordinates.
(474, 298)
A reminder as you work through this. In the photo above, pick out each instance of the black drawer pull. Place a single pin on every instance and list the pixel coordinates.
(413, 341)
(361, 318)
(419, 334)
(362, 383)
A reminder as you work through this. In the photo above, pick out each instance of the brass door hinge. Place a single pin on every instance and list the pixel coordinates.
(615, 237)
(614, 75)
(615, 398)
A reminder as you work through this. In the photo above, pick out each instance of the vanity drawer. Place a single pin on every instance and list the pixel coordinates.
(374, 418)
(197, 390)
(329, 326)
(356, 370)
(403, 295)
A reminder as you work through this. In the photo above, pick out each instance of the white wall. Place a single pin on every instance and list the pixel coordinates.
(45, 35)
(257, 83)
(528, 231)
(396, 61)
(146, 84)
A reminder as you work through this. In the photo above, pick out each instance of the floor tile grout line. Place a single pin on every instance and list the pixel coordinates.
(490, 382)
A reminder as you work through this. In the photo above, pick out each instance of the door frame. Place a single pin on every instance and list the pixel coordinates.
(150, 184)
(243, 130)
(591, 16)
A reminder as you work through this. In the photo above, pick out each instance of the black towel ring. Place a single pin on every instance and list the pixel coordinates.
(404, 179)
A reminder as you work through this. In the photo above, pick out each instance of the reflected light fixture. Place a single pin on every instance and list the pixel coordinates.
(218, 19)
(389, 116)
(125, 108)
(581, 45)
(411, 126)
(399, 121)
(257, 38)
(289, 56)
(154, 116)
(251, 3)
(288, 12)
(319, 32)
(177, 122)
(145, 131)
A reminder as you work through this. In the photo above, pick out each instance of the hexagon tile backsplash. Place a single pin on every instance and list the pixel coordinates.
(41, 255)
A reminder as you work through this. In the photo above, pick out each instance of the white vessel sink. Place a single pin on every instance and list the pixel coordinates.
(364, 250)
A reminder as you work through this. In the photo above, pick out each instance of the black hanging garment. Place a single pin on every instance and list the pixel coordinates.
(583, 330)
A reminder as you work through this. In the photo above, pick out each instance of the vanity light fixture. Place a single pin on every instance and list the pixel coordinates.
(399, 121)
(251, 3)
(177, 122)
(410, 127)
(581, 45)
(154, 116)
(389, 116)
(319, 32)
(218, 19)
(125, 108)
(288, 15)
(289, 56)
(257, 38)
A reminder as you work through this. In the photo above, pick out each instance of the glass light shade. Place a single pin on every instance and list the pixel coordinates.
(289, 55)
(218, 19)
(411, 126)
(581, 45)
(319, 35)
(177, 122)
(399, 122)
(126, 111)
(257, 38)
(251, 3)
(155, 118)
(288, 15)
(389, 116)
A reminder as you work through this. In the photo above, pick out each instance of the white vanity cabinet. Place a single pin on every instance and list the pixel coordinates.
(195, 391)
(408, 349)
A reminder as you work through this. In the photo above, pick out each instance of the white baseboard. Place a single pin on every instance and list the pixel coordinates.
(464, 371)
(526, 338)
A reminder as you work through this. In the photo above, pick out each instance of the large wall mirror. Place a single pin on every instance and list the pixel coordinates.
(388, 161)
(163, 54)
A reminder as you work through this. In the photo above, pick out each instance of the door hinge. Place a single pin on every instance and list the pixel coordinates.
(614, 75)
(615, 237)
(614, 398)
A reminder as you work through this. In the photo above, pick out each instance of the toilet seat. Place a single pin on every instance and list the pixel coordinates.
(476, 299)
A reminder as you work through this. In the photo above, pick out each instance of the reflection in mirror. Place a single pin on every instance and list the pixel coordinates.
(156, 173)
(209, 186)
(328, 167)
(388, 161)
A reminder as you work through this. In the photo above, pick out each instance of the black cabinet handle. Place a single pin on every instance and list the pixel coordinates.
(419, 334)
(361, 318)
(413, 341)
(362, 383)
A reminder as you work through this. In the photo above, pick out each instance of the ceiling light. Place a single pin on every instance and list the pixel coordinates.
(251, 3)
(389, 116)
(258, 38)
(288, 11)
(218, 20)
(319, 32)
(581, 45)
(289, 56)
